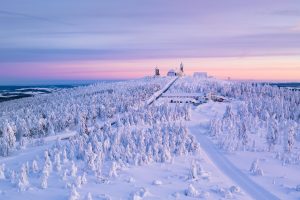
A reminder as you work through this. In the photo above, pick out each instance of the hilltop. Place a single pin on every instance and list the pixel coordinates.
(153, 138)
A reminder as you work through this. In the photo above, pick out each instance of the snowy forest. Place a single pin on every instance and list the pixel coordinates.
(264, 117)
(90, 134)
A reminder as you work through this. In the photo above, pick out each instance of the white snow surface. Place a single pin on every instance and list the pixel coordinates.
(151, 149)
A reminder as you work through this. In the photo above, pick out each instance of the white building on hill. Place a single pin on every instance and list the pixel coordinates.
(172, 73)
(179, 72)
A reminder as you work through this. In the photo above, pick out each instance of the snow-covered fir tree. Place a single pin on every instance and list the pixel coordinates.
(2, 171)
(89, 196)
(74, 195)
(8, 139)
(23, 182)
(34, 166)
(73, 169)
(44, 181)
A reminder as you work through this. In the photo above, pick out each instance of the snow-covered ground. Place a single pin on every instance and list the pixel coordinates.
(278, 181)
(170, 180)
(133, 149)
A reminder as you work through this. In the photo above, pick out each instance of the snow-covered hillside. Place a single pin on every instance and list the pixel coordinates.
(126, 140)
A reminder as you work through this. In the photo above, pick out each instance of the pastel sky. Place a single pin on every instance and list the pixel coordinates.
(117, 39)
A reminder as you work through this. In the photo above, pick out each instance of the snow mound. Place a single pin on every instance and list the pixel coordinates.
(157, 182)
(191, 191)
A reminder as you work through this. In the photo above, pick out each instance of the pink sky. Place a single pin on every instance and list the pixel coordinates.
(241, 39)
(283, 68)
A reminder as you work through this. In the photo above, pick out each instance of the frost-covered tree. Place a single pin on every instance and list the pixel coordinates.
(272, 133)
(99, 163)
(215, 127)
(57, 163)
(290, 139)
(191, 191)
(90, 157)
(83, 179)
(48, 161)
(23, 143)
(2, 170)
(255, 169)
(83, 124)
(13, 177)
(34, 166)
(113, 170)
(228, 112)
(43, 126)
(73, 169)
(89, 196)
(242, 134)
(65, 157)
(47, 169)
(8, 139)
(74, 195)
(27, 167)
(78, 181)
(44, 181)
(23, 182)
(65, 175)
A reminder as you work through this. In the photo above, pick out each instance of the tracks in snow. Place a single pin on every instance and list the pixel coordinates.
(241, 179)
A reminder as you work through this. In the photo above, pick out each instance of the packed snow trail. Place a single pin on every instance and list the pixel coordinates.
(217, 157)
(158, 94)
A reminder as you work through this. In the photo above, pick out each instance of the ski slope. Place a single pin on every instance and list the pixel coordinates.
(199, 127)
(218, 158)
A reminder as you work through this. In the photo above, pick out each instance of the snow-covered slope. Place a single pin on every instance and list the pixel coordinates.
(125, 141)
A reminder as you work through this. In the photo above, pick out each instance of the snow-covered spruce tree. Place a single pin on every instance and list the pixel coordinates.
(83, 124)
(243, 135)
(272, 133)
(90, 157)
(44, 181)
(89, 196)
(228, 112)
(8, 139)
(65, 157)
(23, 182)
(187, 113)
(289, 138)
(191, 191)
(46, 169)
(74, 195)
(22, 134)
(34, 166)
(2, 171)
(48, 163)
(23, 143)
(51, 130)
(215, 127)
(78, 181)
(57, 163)
(113, 170)
(255, 169)
(83, 179)
(27, 167)
(73, 169)
(65, 175)
(43, 126)
(13, 177)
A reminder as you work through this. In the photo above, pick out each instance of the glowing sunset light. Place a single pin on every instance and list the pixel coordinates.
(249, 68)
(124, 40)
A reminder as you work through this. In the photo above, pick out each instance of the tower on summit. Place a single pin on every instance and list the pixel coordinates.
(156, 72)
(181, 67)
